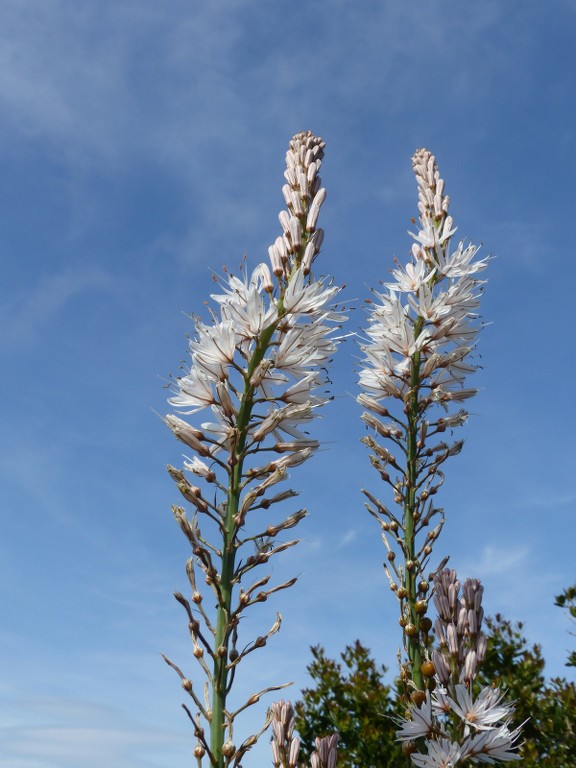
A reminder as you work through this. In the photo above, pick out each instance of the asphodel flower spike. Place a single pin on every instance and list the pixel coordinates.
(417, 358)
(256, 381)
(476, 718)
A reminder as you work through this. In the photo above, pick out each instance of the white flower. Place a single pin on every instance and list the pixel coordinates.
(410, 278)
(221, 431)
(301, 347)
(441, 754)
(244, 305)
(195, 391)
(214, 348)
(429, 313)
(493, 746)
(302, 298)
(440, 699)
(420, 725)
(198, 467)
(482, 713)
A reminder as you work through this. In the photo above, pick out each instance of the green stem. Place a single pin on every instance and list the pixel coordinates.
(413, 641)
(223, 626)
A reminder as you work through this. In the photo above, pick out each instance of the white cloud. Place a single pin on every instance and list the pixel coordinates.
(103, 80)
(55, 732)
(347, 538)
(22, 317)
(497, 560)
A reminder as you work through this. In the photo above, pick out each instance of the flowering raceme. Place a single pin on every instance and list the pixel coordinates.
(257, 370)
(418, 355)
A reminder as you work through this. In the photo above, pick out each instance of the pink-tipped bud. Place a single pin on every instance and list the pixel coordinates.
(481, 648)
(284, 218)
(441, 666)
(470, 666)
(308, 257)
(287, 193)
(452, 638)
(275, 260)
(294, 751)
(295, 233)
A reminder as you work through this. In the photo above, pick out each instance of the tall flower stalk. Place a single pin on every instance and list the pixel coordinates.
(421, 335)
(257, 367)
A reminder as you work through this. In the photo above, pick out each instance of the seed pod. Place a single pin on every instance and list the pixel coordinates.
(420, 606)
(418, 697)
(427, 669)
(425, 624)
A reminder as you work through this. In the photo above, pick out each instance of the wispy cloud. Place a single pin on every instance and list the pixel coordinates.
(65, 733)
(496, 560)
(23, 316)
(347, 538)
(104, 80)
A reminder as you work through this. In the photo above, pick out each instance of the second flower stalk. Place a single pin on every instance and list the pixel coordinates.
(421, 336)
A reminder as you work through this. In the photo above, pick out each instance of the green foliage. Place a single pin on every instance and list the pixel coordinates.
(352, 699)
(547, 708)
(568, 600)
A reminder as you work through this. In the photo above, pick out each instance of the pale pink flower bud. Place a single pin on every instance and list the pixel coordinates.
(312, 217)
(438, 205)
(224, 397)
(275, 754)
(262, 271)
(442, 606)
(284, 217)
(303, 184)
(187, 434)
(311, 173)
(308, 258)
(441, 666)
(295, 232)
(314, 210)
(275, 260)
(287, 192)
(462, 621)
(296, 203)
(472, 622)
(470, 665)
(453, 596)
(290, 176)
(481, 648)
(318, 239)
(294, 751)
(452, 637)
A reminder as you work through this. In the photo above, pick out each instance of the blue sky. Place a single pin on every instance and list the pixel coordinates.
(142, 148)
